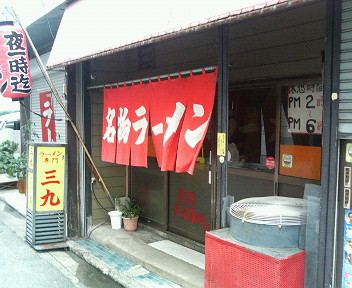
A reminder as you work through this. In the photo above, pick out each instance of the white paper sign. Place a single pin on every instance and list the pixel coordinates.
(305, 109)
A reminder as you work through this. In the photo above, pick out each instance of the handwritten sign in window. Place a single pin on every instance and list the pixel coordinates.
(305, 109)
(190, 214)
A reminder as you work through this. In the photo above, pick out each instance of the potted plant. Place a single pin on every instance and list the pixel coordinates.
(12, 164)
(18, 167)
(7, 152)
(130, 214)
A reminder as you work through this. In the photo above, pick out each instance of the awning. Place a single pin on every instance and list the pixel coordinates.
(91, 28)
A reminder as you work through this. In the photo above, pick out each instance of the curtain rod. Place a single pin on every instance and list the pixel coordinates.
(154, 78)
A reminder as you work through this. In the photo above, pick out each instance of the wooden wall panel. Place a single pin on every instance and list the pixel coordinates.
(106, 70)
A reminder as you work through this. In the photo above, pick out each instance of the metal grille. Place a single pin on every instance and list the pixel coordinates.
(44, 228)
(271, 210)
(345, 97)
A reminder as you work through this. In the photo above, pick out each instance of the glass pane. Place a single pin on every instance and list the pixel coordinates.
(190, 204)
(252, 128)
(251, 143)
(148, 187)
(301, 131)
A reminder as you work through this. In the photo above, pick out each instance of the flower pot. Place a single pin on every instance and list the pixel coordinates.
(21, 184)
(130, 224)
(115, 219)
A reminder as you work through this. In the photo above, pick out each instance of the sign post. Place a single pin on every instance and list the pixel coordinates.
(46, 196)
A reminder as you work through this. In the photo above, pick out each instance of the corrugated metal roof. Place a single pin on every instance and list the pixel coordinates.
(91, 28)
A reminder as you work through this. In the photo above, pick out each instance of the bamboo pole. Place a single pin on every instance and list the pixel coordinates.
(95, 170)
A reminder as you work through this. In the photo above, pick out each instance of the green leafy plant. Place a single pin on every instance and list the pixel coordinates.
(117, 201)
(7, 152)
(18, 166)
(120, 202)
(27, 131)
(131, 209)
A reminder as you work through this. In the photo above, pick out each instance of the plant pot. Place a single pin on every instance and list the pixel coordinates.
(130, 224)
(21, 184)
(115, 219)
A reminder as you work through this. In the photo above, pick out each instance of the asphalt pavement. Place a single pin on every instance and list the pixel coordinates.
(24, 267)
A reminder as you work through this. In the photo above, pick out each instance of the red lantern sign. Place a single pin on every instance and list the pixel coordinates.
(15, 79)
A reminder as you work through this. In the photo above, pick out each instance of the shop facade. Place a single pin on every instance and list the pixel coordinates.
(274, 128)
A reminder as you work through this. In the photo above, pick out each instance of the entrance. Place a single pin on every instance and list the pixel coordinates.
(176, 202)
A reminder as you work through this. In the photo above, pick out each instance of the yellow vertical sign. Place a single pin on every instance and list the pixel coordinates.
(50, 182)
(30, 190)
(221, 151)
(30, 156)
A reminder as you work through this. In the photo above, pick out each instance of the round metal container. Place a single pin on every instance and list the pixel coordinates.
(272, 222)
(264, 235)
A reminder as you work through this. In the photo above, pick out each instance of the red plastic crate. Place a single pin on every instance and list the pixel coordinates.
(230, 264)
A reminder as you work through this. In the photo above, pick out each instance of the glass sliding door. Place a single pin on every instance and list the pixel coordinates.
(251, 142)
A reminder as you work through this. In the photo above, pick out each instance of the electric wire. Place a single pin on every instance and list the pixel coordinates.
(47, 20)
(96, 198)
(27, 107)
(96, 227)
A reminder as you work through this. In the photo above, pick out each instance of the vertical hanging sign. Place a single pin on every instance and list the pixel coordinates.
(47, 111)
(108, 152)
(200, 93)
(15, 79)
(30, 179)
(168, 107)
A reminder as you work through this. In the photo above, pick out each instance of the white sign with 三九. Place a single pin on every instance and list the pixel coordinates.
(305, 109)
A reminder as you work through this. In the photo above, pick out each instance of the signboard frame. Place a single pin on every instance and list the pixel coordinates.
(46, 228)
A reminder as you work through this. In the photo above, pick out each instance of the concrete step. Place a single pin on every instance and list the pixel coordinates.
(134, 248)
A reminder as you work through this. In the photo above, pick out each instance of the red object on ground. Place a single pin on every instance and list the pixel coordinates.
(231, 265)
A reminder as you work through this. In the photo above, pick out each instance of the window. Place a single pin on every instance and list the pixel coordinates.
(301, 131)
(252, 127)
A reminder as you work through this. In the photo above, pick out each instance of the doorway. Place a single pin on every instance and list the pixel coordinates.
(177, 202)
